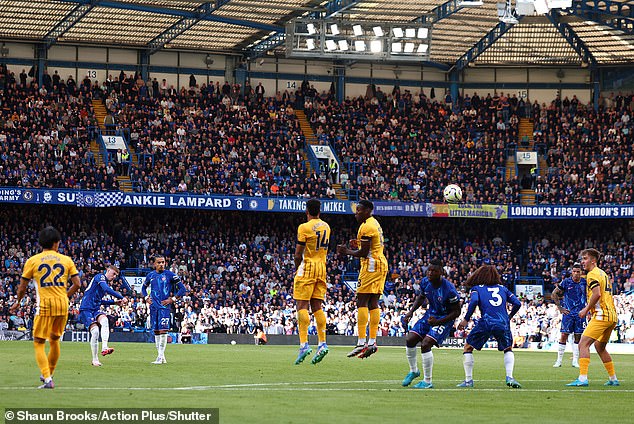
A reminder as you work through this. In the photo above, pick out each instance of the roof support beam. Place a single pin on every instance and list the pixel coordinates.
(138, 7)
(440, 12)
(485, 42)
(68, 22)
(275, 40)
(572, 38)
(203, 11)
(601, 13)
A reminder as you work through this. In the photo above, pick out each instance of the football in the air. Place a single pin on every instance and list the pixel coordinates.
(452, 193)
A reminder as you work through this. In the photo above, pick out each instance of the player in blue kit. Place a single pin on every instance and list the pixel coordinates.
(434, 326)
(573, 290)
(166, 287)
(491, 297)
(91, 315)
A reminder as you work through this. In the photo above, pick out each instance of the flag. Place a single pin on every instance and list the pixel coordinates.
(85, 200)
(109, 199)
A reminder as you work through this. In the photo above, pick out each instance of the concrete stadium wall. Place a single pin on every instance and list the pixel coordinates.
(280, 74)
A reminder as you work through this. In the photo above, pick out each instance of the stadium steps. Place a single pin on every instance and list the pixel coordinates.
(525, 128)
(528, 197)
(309, 169)
(543, 166)
(100, 113)
(309, 134)
(340, 193)
(510, 168)
(124, 183)
(96, 151)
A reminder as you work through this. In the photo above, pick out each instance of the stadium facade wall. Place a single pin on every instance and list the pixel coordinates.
(279, 74)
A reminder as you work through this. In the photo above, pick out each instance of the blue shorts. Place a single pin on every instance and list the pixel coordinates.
(482, 332)
(160, 319)
(439, 332)
(89, 317)
(571, 323)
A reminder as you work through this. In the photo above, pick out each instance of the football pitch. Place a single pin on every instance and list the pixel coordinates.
(260, 384)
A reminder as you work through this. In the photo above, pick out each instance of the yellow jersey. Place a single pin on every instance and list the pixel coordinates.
(51, 271)
(604, 309)
(375, 261)
(315, 236)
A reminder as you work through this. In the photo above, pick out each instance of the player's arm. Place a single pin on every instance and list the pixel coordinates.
(21, 292)
(473, 303)
(513, 300)
(179, 293)
(418, 302)
(361, 252)
(556, 297)
(74, 288)
(144, 290)
(454, 312)
(595, 287)
(112, 293)
(299, 253)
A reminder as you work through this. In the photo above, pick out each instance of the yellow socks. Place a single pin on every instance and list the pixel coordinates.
(375, 318)
(362, 322)
(41, 359)
(303, 320)
(584, 364)
(53, 355)
(320, 320)
(609, 367)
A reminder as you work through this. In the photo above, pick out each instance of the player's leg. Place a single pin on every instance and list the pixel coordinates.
(105, 334)
(589, 336)
(606, 358)
(154, 325)
(411, 342)
(428, 362)
(41, 330)
(320, 320)
(375, 320)
(575, 349)
(363, 299)
(467, 363)
(94, 343)
(303, 321)
(57, 330)
(164, 326)
(561, 347)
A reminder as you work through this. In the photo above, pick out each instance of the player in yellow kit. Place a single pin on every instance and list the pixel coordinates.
(369, 249)
(601, 306)
(309, 287)
(51, 272)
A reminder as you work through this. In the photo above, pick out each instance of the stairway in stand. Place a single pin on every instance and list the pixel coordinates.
(311, 138)
(525, 132)
(510, 168)
(100, 115)
(528, 197)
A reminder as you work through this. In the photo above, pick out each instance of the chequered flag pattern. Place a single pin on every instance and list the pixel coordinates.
(108, 199)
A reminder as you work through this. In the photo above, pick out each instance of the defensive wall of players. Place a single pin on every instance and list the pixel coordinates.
(278, 204)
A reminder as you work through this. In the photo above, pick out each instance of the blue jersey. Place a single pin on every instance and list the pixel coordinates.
(440, 299)
(96, 290)
(163, 286)
(574, 294)
(492, 302)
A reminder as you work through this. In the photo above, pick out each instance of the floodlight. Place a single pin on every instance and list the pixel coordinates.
(310, 44)
(559, 4)
(334, 29)
(541, 7)
(410, 32)
(396, 47)
(423, 32)
(358, 31)
(524, 7)
(312, 30)
(343, 45)
(378, 31)
(422, 49)
(331, 45)
(398, 32)
(409, 48)
(359, 45)
(376, 46)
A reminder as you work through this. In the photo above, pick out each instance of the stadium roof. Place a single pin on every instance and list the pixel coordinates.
(592, 32)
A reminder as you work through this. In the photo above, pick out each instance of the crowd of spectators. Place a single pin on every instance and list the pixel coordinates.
(227, 139)
(238, 267)
(590, 154)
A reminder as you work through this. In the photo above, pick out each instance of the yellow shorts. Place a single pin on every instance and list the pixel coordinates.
(599, 330)
(371, 282)
(306, 289)
(45, 327)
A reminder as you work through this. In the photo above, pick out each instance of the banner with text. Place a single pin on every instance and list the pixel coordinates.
(103, 199)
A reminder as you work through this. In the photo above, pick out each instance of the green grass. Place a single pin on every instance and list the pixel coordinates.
(260, 384)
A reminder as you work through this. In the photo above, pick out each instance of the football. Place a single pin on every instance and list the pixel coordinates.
(452, 193)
